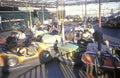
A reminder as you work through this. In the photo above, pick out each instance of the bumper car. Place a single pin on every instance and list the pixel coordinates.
(100, 58)
(84, 41)
(106, 60)
(99, 64)
(13, 59)
(86, 37)
(70, 53)
(49, 38)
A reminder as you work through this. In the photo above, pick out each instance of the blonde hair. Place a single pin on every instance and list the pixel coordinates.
(106, 42)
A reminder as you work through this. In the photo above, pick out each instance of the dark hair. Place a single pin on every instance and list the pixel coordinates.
(11, 42)
(98, 36)
(14, 34)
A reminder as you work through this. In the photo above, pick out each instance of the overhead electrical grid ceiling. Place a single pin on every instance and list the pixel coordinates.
(48, 3)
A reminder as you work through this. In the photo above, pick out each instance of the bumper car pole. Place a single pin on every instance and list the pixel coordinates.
(98, 57)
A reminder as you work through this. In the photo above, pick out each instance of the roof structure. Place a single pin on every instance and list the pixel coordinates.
(48, 3)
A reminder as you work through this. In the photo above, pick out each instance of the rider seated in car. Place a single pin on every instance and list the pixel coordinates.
(21, 36)
(12, 46)
(98, 38)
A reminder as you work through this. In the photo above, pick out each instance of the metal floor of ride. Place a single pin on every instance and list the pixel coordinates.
(52, 69)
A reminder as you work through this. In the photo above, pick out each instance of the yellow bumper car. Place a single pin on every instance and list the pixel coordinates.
(40, 51)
